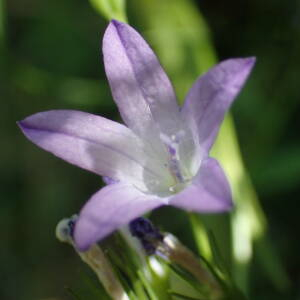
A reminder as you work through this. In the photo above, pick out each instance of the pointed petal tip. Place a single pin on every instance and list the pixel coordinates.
(115, 22)
(19, 124)
(250, 61)
(23, 123)
(239, 68)
(243, 64)
(113, 27)
(31, 123)
(23, 127)
(239, 62)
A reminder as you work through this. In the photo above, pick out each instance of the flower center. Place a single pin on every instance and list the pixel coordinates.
(172, 145)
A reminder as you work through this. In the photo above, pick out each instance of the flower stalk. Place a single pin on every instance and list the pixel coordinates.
(95, 258)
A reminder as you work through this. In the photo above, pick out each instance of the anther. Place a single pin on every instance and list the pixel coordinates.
(147, 234)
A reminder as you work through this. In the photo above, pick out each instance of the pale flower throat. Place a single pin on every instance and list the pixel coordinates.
(180, 175)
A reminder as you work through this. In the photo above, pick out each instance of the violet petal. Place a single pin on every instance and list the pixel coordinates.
(93, 143)
(208, 192)
(110, 208)
(211, 95)
(140, 87)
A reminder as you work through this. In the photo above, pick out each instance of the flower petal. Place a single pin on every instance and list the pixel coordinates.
(210, 97)
(139, 85)
(209, 191)
(93, 143)
(110, 208)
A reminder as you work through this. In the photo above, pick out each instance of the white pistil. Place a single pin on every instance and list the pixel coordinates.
(172, 146)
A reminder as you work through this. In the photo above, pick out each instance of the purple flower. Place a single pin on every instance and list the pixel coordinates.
(161, 156)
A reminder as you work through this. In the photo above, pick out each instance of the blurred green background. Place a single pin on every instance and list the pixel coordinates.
(51, 58)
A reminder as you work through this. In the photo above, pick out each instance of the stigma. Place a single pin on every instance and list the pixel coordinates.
(172, 144)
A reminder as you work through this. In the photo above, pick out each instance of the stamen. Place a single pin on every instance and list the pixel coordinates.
(172, 145)
(146, 232)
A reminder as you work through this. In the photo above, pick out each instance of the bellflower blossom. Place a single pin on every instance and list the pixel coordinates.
(161, 156)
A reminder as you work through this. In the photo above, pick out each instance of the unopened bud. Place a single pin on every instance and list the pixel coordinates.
(168, 247)
(95, 258)
(64, 229)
